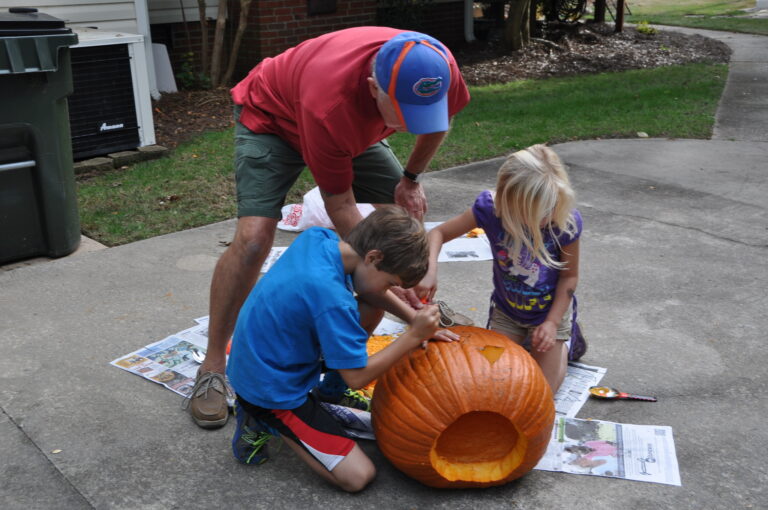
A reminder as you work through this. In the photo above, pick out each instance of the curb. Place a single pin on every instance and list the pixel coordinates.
(120, 159)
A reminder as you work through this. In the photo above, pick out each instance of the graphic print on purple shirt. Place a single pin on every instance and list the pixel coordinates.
(523, 288)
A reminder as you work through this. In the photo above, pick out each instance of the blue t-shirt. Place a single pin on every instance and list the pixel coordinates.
(301, 312)
(523, 288)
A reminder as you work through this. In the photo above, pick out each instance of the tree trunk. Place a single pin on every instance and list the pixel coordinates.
(532, 11)
(524, 20)
(619, 16)
(600, 11)
(242, 24)
(218, 44)
(203, 35)
(186, 26)
(550, 9)
(516, 33)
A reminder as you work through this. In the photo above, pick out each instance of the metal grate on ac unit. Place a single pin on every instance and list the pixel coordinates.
(102, 108)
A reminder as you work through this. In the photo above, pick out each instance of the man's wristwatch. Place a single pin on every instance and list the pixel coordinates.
(412, 176)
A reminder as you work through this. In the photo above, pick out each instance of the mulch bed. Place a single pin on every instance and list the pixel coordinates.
(590, 49)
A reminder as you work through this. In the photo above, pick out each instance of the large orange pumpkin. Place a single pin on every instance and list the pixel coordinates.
(471, 413)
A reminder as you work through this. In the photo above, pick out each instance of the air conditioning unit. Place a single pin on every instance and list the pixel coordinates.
(110, 108)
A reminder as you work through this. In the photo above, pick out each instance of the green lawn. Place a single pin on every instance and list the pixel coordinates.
(194, 186)
(710, 14)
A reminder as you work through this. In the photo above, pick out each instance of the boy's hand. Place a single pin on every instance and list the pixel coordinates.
(445, 335)
(425, 322)
(543, 337)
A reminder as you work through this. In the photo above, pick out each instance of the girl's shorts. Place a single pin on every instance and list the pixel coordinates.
(310, 426)
(502, 323)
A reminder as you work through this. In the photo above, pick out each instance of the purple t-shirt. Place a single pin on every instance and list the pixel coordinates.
(523, 289)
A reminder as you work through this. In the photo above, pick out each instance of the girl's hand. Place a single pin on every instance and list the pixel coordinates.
(408, 296)
(543, 337)
(426, 288)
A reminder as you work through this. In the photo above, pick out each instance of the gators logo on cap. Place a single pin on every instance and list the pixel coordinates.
(426, 87)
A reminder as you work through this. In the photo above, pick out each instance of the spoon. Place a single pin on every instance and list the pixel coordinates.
(610, 393)
(197, 356)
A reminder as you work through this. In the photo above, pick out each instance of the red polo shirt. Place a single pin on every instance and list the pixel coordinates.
(315, 97)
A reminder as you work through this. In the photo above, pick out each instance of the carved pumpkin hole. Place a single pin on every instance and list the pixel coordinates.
(480, 446)
(492, 353)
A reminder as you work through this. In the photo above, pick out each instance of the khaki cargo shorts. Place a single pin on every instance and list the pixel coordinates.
(266, 167)
(504, 324)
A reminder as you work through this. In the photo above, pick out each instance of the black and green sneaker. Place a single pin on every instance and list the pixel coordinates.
(350, 398)
(249, 444)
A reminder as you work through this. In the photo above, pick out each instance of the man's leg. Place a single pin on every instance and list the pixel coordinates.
(235, 275)
(377, 173)
(266, 167)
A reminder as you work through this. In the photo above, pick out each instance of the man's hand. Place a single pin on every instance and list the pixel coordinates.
(410, 195)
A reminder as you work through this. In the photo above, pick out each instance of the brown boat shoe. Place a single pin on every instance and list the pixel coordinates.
(450, 318)
(208, 401)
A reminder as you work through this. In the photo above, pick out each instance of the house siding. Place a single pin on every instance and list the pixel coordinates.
(169, 11)
(116, 15)
(107, 15)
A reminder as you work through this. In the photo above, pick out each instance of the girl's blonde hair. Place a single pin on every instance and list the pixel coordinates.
(532, 185)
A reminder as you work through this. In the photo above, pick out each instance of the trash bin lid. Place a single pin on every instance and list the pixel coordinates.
(19, 22)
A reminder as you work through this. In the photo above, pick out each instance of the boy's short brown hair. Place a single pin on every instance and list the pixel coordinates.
(400, 238)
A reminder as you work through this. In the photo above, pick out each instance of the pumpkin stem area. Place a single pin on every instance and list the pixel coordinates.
(480, 446)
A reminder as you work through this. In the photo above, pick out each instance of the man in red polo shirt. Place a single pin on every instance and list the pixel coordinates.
(328, 104)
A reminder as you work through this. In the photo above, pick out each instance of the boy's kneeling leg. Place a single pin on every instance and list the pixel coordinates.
(352, 474)
(355, 472)
(319, 440)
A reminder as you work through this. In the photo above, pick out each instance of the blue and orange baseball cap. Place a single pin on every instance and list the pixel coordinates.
(413, 69)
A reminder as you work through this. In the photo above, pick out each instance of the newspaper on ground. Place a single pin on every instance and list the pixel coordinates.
(169, 362)
(574, 391)
(389, 327)
(645, 453)
(274, 253)
(468, 247)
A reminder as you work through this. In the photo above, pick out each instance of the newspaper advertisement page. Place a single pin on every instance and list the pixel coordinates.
(574, 391)
(169, 362)
(644, 453)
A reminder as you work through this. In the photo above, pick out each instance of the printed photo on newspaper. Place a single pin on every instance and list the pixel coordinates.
(644, 453)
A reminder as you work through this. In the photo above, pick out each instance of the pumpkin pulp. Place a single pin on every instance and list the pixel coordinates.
(480, 446)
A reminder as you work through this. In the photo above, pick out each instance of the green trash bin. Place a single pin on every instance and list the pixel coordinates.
(38, 205)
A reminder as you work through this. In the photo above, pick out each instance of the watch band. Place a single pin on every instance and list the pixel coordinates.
(412, 176)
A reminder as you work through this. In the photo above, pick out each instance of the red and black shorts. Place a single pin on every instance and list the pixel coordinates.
(310, 426)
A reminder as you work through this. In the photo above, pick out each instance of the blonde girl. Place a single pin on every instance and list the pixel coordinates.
(534, 231)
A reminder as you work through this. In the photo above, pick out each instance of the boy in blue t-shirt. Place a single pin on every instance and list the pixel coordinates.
(318, 305)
